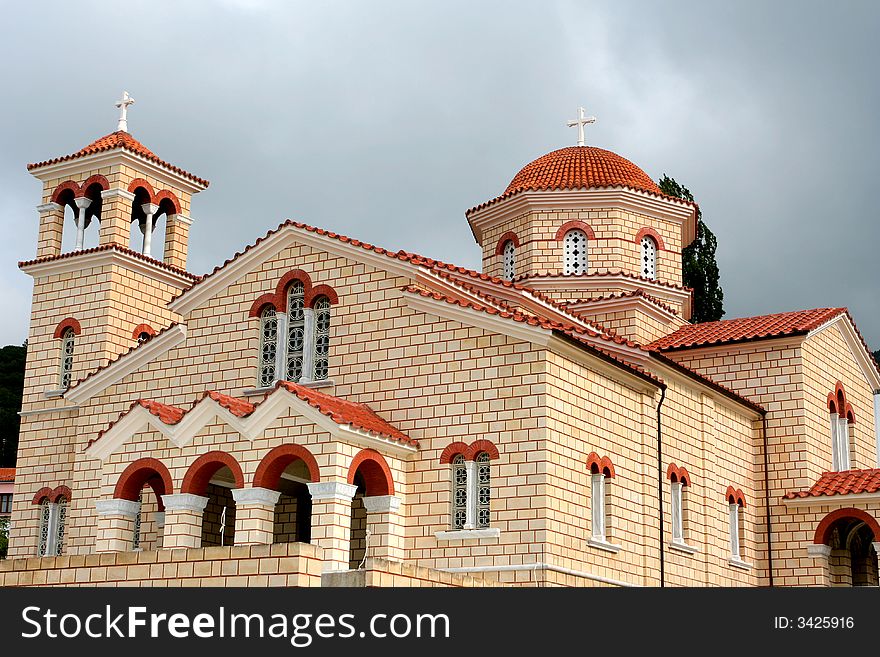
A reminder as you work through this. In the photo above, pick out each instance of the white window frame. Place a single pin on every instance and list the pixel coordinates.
(840, 443)
(508, 260)
(295, 345)
(675, 489)
(267, 365)
(459, 490)
(478, 494)
(649, 257)
(575, 263)
(735, 548)
(322, 311)
(52, 527)
(482, 489)
(597, 504)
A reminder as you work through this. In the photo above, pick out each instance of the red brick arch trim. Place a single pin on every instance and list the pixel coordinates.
(203, 468)
(273, 464)
(144, 471)
(675, 474)
(479, 446)
(67, 185)
(260, 304)
(375, 471)
(97, 179)
(509, 236)
(165, 195)
(571, 225)
(285, 281)
(321, 291)
(148, 188)
(823, 531)
(837, 403)
(64, 324)
(143, 328)
(452, 450)
(52, 494)
(596, 465)
(44, 493)
(653, 234)
(735, 496)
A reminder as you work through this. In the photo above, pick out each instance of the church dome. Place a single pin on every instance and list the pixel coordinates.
(580, 167)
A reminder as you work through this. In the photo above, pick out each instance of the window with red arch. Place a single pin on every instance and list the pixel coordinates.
(295, 323)
(53, 505)
(601, 472)
(842, 418)
(736, 502)
(679, 483)
(66, 333)
(471, 478)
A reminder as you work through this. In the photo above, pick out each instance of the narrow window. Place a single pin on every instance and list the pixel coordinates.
(735, 532)
(677, 512)
(483, 489)
(60, 523)
(840, 443)
(509, 258)
(268, 346)
(459, 492)
(136, 538)
(597, 480)
(295, 330)
(574, 247)
(322, 338)
(45, 517)
(649, 257)
(5, 503)
(67, 343)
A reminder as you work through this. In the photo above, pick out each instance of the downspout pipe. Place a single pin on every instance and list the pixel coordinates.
(767, 497)
(660, 485)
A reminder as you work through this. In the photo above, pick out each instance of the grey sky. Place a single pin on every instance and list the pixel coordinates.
(387, 120)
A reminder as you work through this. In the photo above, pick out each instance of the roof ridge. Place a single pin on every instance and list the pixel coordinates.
(606, 272)
(112, 247)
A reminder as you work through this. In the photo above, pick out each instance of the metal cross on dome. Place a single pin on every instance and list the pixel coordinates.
(580, 122)
(123, 111)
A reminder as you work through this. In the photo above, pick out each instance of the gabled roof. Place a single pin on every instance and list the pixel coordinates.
(124, 141)
(745, 329)
(846, 482)
(111, 247)
(7, 475)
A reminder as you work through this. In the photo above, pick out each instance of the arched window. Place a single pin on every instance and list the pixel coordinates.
(484, 488)
(322, 338)
(66, 368)
(60, 522)
(45, 518)
(649, 257)
(574, 247)
(841, 416)
(737, 527)
(508, 255)
(459, 492)
(295, 330)
(679, 485)
(268, 345)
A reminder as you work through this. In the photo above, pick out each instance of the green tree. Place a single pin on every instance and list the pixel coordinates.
(4, 537)
(699, 268)
(877, 355)
(12, 359)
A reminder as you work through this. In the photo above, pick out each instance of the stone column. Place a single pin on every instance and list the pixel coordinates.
(82, 204)
(149, 209)
(331, 521)
(51, 229)
(176, 239)
(184, 513)
(115, 525)
(254, 515)
(385, 527)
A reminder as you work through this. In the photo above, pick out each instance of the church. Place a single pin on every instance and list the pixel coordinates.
(321, 411)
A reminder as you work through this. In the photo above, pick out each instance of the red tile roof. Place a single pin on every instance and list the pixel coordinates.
(7, 474)
(623, 295)
(746, 328)
(344, 412)
(579, 167)
(600, 274)
(125, 141)
(113, 247)
(847, 482)
(238, 407)
(167, 414)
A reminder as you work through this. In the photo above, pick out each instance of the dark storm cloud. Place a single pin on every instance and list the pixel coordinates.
(386, 120)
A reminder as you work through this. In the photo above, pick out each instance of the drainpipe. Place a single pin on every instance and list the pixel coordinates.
(767, 497)
(660, 485)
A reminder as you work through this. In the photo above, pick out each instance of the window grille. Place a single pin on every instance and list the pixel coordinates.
(459, 492)
(268, 346)
(483, 489)
(295, 331)
(575, 252)
(322, 338)
(649, 258)
(509, 260)
(67, 344)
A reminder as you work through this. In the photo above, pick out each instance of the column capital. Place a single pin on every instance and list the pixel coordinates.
(49, 207)
(328, 490)
(184, 502)
(256, 496)
(82, 202)
(150, 208)
(117, 507)
(381, 504)
(113, 192)
(819, 550)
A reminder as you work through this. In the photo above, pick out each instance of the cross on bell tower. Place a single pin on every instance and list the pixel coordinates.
(123, 104)
(580, 122)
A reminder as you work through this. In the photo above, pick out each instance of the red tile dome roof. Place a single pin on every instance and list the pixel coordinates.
(579, 167)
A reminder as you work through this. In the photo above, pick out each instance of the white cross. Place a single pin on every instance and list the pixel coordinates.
(580, 122)
(123, 110)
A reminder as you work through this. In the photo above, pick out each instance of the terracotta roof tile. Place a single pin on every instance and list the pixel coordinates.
(580, 167)
(113, 247)
(238, 407)
(7, 474)
(623, 295)
(847, 482)
(167, 414)
(344, 412)
(125, 141)
(600, 274)
(746, 328)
